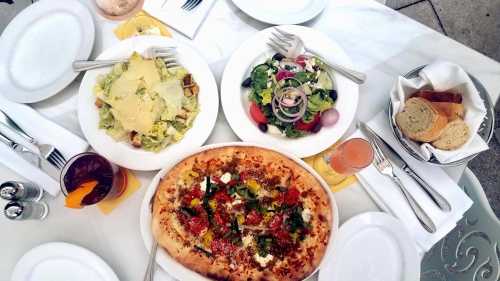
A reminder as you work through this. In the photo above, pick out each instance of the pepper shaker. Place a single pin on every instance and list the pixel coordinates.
(19, 210)
(25, 191)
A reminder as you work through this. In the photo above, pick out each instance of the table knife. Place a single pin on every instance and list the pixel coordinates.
(394, 157)
(31, 157)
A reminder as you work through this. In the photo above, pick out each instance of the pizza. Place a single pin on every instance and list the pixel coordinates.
(243, 213)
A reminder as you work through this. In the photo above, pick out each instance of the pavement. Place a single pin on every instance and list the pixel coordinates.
(475, 23)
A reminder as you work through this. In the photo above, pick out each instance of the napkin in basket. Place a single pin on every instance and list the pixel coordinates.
(389, 198)
(44, 131)
(171, 13)
(444, 76)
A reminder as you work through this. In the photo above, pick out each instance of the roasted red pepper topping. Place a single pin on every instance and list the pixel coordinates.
(292, 196)
(221, 196)
(222, 246)
(276, 222)
(253, 218)
(195, 192)
(197, 224)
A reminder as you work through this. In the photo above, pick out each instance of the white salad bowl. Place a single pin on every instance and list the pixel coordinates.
(125, 154)
(236, 105)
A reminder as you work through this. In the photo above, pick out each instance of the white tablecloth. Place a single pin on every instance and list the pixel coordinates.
(380, 41)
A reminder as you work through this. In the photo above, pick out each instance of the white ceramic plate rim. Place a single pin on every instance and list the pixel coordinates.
(123, 153)
(19, 24)
(234, 98)
(177, 270)
(61, 250)
(391, 226)
(255, 11)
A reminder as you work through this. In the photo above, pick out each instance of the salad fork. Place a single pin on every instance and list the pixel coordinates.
(165, 53)
(385, 167)
(46, 151)
(291, 45)
(191, 4)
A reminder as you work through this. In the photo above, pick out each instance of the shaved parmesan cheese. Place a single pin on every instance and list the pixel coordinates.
(225, 178)
(263, 261)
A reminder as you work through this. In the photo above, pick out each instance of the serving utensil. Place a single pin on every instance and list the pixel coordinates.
(191, 4)
(165, 53)
(385, 167)
(46, 151)
(394, 157)
(32, 157)
(291, 45)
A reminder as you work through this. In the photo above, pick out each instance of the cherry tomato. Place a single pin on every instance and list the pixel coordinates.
(301, 60)
(253, 218)
(197, 224)
(257, 114)
(292, 196)
(276, 222)
(303, 126)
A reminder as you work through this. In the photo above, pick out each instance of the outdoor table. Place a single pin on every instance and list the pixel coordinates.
(380, 41)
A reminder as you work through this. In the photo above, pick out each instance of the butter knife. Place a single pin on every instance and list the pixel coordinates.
(440, 201)
(31, 157)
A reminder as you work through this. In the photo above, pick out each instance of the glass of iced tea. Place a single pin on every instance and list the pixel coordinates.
(89, 178)
(351, 156)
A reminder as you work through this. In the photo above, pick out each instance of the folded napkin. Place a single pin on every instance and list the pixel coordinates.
(44, 131)
(444, 76)
(389, 197)
(171, 13)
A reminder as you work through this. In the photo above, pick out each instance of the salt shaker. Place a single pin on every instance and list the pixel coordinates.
(25, 191)
(19, 210)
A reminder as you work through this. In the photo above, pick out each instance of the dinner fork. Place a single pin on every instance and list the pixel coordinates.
(46, 151)
(165, 53)
(191, 4)
(385, 167)
(291, 45)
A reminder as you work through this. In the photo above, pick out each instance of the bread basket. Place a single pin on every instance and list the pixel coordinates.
(485, 131)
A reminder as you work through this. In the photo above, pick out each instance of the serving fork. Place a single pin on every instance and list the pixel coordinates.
(384, 166)
(291, 46)
(191, 4)
(46, 151)
(165, 53)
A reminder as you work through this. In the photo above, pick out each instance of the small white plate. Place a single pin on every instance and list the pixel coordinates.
(58, 261)
(235, 102)
(123, 153)
(372, 246)
(282, 12)
(177, 270)
(38, 47)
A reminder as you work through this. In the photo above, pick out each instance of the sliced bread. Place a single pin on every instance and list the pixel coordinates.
(420, 120)
(439, 96)
(454, 135)
(452, 110)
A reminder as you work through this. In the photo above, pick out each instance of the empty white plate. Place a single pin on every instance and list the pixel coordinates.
(59, 261)
(372, 247)
(38, 47)
(282, 12)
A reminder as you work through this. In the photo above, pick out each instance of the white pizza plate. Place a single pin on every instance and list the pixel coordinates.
(38, 47)
(372, 246)
(282, 12)
(125, 154)
(235, 102)
(58, 261)
(177, 270)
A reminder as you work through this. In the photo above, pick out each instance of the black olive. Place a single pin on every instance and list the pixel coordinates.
(316, 127)
(278, 57)
(263, 127)
(247, 83)
(333, 95)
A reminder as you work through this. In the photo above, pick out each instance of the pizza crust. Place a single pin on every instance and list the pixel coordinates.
(171, 235)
